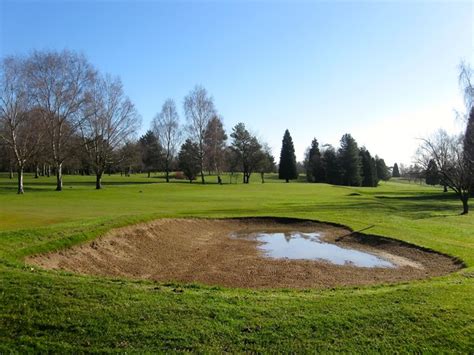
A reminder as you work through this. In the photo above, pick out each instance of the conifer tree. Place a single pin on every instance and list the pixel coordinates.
(314, 165)
(469, 148)
(395, 171)
(287, 169)
(189, 159)
(331, 166)
(369, 170)
(432, 173)
(382, 169)
(350, 161)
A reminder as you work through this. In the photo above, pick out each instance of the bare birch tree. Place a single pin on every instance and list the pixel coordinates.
(59, 83)
(19, 123)
(199, 109)
(166, 128)
(110, 119)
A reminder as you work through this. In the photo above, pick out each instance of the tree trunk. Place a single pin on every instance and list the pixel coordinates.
(59, 177)
(11, 172)
(167, 175)
(149, 173)
(202, 177)
(98, 180)
(36, 171)
(287, 180)
(263, 177)
(465, 205)
(48, 171)
(20, 180)
(445, 188)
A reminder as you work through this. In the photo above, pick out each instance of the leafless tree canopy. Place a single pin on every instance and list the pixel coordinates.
(447, 151)
(108, 121)
(199, 109)
(60, 84)
(166, 128)
(467, 84)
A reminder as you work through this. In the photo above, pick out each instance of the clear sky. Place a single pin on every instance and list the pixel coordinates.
(386, 72)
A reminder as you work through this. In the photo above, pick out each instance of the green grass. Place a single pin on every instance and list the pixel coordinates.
(55, 311)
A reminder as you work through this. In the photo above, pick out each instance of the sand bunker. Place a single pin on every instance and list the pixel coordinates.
(208, 251)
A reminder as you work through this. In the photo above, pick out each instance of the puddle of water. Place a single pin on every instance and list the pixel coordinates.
(296, 245)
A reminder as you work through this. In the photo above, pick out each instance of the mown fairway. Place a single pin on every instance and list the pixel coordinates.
(43, 310)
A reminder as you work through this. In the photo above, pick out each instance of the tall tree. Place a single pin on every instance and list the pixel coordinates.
(314, 166)
(110, 119)
(19, 123)
(331, 165)
(199, 110)
(188, 159)
(382, 170)
(166, 128)
(247, 150)
(395, 171)
(369, 169)
(350, 161)
(469, 149)
(151, 152)
(287, 167)
(214, 145)
(432, 173)
(59, 83)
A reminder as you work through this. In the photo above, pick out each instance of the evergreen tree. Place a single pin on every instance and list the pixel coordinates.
(349, 161)
(313, 164)
(382, 169)
(395, 171)
(432, 173)
(189, 159)
(287, 168)
(369, 170)
(151, 152)
(247, 150)
(331, 166)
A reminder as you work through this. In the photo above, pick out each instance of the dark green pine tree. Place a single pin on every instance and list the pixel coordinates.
(331, 166)
(469, 148)
(349, 161)
(287, 169)
(151, 152)
(188, 160)
(369, 170)
(432, 173)
(314, 164)
(395, 171)
(382, 169)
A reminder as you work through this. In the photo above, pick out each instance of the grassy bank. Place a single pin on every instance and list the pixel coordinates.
(43, 310)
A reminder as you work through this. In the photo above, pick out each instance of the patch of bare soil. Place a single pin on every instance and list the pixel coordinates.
(201, 250)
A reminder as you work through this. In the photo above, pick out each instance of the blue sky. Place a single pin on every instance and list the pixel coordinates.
(386, 72)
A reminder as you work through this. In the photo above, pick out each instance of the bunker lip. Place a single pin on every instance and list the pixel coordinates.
(203, 251)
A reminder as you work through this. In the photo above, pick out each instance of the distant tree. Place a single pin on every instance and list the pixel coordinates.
(110, 119)
(214, 145)
(287, 167)
(166, 129)
(349, 161)
(247, 150)
(189, 159)
(199, 109)
(382, 170)
(369, 169)
(314, 164)
(432, 173)
(128, 158)
(151, 152)
(267, 162)
(331, 165)
(395, 171)
(448, 154)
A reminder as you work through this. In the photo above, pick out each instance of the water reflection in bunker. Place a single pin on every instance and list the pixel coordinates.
(297, 245)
